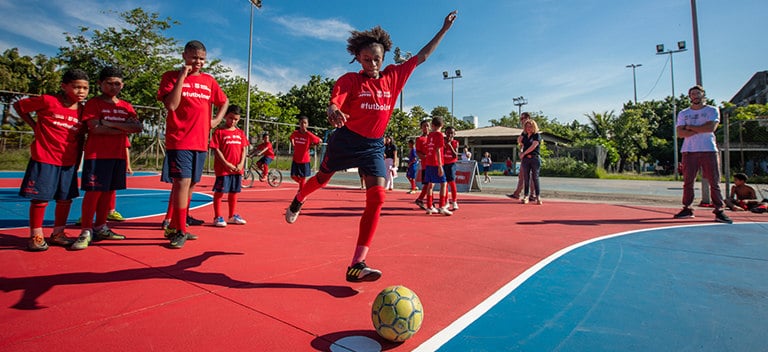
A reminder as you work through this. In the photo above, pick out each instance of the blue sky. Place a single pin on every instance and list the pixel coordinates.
(567, 58)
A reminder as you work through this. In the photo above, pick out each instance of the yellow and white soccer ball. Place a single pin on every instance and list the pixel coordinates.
(397, 313)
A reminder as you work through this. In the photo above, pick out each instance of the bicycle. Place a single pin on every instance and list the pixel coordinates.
(274, 177)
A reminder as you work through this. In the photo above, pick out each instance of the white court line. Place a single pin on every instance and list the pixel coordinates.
(445, 335)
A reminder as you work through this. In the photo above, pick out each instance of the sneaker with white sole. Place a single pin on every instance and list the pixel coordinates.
(37, 243)
(524, 200)
(292, 213)
(361, 272)
(444, 210)
(219, 222)
(685, 213)
(82, 241)
(455, 206)
(432, 210)
(236, 219)
(721, 217)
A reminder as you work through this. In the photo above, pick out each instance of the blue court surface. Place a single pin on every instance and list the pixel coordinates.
(131, 203)
(691, 288)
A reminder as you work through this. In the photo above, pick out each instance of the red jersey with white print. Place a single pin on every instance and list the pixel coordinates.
(58, 130)
(421, 148)
(107, 146)
(231, 143)
(301, 144)
(449, 157)
(187, 127)
(369, 101)
(268, 151)
(435, 147)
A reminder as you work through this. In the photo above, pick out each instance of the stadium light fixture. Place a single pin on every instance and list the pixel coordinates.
(660, 51)
(452, 78)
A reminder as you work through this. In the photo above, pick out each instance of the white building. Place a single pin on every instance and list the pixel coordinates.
(471, 119)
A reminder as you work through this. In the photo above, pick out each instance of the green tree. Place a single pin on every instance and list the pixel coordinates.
(601, 125)
(312, 100)
(630, 134)
(139, 47)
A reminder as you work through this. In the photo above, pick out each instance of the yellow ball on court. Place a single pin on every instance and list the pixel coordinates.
(397, 313)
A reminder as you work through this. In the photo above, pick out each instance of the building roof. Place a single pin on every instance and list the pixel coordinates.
(495, 134)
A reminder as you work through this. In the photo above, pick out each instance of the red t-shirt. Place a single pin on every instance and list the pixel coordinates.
(187, 127)
(435, 147)
(107, 146)
(268, 151)
(301, 144)
(449, 157)
(421, 148)
(58, 130)
(231, 143)
(369, 101)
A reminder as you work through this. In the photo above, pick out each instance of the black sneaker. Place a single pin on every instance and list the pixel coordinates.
(178, 239)
(194, 222)
(513, 196)
(420, 203)
(168, 233)
(292, 213)
(721, 217)
(686, 213)
(361, 272)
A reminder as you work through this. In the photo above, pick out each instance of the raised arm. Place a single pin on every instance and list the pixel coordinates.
(432, 45)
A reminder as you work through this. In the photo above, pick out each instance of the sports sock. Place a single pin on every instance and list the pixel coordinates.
(423, 192)
(232, 203)
(62, 212)
(88, 209)
(112, 200)
(374, 200)
(180, 219)
(413, 183)
(102, 209)
(217, 203)
(309, 187)
(454, 193)
(36, 214)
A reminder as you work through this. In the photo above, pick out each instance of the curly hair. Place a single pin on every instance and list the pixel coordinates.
(360, 40)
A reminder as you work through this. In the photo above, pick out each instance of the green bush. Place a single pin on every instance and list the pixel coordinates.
(567, 167)
(14, 159)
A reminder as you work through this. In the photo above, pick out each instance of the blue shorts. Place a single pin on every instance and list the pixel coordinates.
(48, 182)
(412, 170)
(164, 175)
(302, 170)
(264, 160)
(424, 177)
(449, 170)
(228, 184)
(186, 164)
(347, 150)
(430, 175)
(103, 175)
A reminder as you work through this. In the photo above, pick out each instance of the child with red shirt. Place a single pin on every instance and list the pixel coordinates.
(421, 152)
(52, 169)
(360, 107)
(188, 95)
(450, 158)
(228, 144)
(267, 155)
(302, 140)
(434, 172)
(109, 121)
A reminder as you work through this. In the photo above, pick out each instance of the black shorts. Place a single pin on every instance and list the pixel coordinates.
(103, 175)
(347, 150)
(302, 170)
(186, 164)
(49, 182)
(228, 184)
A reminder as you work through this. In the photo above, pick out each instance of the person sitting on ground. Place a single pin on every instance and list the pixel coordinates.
(743, 197)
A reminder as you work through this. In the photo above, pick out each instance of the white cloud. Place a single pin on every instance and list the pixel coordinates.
(328, 29)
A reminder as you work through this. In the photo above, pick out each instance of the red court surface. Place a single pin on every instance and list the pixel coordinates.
(273, 286)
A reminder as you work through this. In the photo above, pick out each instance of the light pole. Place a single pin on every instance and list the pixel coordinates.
(254, 3)
(399, 59)
(445, 76)
(660, 51)
(634, 78)
(519, 102)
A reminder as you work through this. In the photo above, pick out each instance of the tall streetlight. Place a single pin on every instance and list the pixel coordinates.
(634, 78)
(254, 3)
(445, 76)
(519, 102)
(696, 53)
(660, 51)
(399, 59)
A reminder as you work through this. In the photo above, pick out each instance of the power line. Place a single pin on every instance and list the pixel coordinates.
(657, 80)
